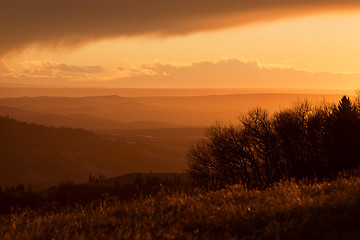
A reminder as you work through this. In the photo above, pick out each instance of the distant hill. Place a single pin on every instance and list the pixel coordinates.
(43, 156)
(133, 134)
(114, 112)
(77, 120)
(19, 90)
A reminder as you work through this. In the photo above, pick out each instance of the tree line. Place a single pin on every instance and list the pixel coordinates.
(312, 142)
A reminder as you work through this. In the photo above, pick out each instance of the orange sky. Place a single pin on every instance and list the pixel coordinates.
(297, 44)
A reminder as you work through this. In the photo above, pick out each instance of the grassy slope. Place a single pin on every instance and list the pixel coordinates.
(287, 211)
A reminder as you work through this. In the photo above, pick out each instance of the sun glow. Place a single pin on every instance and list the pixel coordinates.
(321, 43)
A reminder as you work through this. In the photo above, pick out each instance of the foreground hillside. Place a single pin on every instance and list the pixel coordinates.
(329, 210)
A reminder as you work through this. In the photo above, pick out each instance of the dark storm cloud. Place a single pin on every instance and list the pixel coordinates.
(74, 22)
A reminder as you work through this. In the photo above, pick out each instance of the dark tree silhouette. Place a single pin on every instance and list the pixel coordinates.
(305, 141)
(343, 136)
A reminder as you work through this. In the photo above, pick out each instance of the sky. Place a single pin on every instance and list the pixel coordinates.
(181, 44)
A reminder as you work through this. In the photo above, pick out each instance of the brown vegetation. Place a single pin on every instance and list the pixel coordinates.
(288, 210)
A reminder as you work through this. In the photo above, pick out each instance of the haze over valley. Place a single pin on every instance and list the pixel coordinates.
(127, 134)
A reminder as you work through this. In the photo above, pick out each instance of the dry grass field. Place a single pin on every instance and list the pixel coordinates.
(288, 210)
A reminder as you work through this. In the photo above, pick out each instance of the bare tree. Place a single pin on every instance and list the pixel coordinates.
(304, 141)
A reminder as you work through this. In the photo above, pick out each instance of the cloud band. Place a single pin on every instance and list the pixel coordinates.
(72, 22)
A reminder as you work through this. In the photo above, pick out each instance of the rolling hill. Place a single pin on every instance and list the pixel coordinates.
(43, 156)
(114, 112)
(129, 134)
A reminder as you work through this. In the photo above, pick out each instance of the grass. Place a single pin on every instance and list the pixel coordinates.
(289, 210)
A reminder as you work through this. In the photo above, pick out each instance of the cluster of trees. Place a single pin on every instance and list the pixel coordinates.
(19, 188)
(94, 179)
(98, 189)
(305, 141)
(151, 181)
(13, 198)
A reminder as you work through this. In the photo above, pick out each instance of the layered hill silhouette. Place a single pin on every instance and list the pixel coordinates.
(43, 156)
(78, 120)
(129, 134)
(114, 112)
